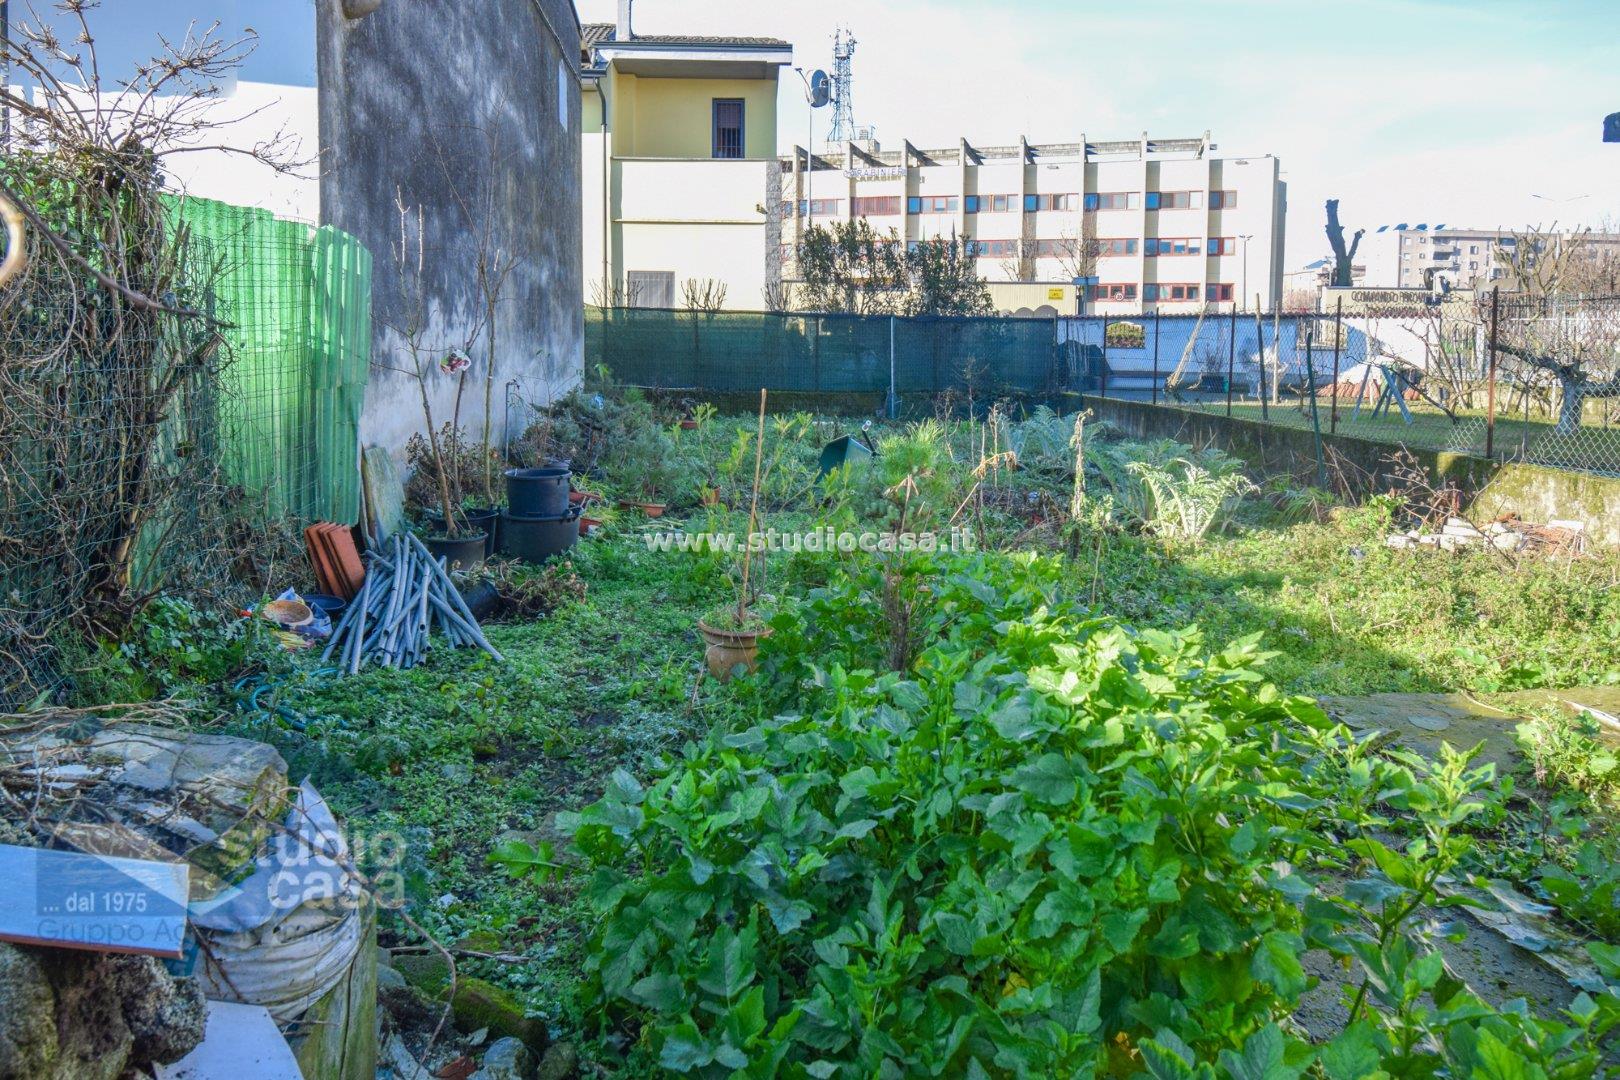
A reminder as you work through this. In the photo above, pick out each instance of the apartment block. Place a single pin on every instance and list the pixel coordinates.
(1108, 227)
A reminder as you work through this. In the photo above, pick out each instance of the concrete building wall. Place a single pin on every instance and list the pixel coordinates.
(674, 117)
(440, 102)
(1218, 202)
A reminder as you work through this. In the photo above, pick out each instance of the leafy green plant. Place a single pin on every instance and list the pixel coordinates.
(171, 647)
(1006, 864)
(1184, 499)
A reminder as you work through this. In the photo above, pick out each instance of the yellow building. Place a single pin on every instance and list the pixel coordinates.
(681, 182)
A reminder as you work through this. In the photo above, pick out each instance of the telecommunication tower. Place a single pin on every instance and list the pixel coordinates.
(843, 120)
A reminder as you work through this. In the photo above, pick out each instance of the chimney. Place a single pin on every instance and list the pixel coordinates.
(622, 31)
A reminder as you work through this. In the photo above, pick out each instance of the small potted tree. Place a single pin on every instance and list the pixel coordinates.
(462, 545)
(732, 633)
(647, 469)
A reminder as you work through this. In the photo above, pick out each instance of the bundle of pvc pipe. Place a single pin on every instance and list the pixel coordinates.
(406, 596)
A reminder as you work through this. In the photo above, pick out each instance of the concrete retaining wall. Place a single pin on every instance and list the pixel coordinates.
(1489, 487)
(470, 111)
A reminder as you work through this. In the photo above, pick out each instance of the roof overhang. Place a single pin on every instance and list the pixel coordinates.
(692, 60)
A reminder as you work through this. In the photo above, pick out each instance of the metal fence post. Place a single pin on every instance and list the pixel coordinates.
(1155, 387)
(1231, 358)
(1260, 359)
(1338, 342)
(1102, 374)
(1490, 380)
(893, 405)
(1316, 421)
(815, 355)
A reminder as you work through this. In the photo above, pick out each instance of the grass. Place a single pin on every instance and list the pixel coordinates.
(441, 762)
(1595, 449)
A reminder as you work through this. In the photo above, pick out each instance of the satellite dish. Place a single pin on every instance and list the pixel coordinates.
(820, 89)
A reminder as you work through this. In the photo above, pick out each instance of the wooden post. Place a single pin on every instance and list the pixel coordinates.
(753, 516)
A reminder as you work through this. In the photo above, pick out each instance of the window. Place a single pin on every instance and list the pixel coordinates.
(995, 249)
(1054, 249)
(1116, 245)
(1222, 200)
(1173, 200)
(931, 204)
(1171, 292)
(1113, 292)
(818, 207)
(1173, 245)
(998, 204)
(875, 205)
(1113, 200)
(1218, 292)
(1223, 245)
(1036, 203)
(728, 127)
(650, 288)
(970, 204)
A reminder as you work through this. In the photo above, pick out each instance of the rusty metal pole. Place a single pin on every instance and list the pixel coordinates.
(1338, 348)
(1490, 381)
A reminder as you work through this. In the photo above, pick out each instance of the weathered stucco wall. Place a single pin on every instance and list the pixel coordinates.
(470, 111)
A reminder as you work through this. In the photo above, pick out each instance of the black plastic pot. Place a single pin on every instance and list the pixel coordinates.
(460, 553)
(331, 606)
(485, 519)
(537, 493)
(536, 539)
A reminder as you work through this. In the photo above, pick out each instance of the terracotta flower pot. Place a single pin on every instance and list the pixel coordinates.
(576, 498)
(729, 648)
(651, 509)
(586, 524)
(689, 425)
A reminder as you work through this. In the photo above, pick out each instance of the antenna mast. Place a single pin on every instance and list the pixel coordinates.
(843, 121)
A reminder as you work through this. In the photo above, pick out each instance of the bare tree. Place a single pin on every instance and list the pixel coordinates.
(106, 331)
(1343, 257)
(1558, 328)
(707, 295)
(493, 263)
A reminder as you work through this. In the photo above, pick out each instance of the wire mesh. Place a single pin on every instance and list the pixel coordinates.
(1512, 378)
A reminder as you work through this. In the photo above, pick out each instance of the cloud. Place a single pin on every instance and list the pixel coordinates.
(1407, 110)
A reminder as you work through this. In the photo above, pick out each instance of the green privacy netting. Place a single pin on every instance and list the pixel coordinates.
(818, 353)
(299, 301)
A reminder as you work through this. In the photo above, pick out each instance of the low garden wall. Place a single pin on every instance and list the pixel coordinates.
(1490, 488)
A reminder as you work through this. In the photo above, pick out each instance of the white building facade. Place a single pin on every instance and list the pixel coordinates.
(1147, 224)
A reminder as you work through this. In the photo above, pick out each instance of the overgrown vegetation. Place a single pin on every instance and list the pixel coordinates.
(1052, 807)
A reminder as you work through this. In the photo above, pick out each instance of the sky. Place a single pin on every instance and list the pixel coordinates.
(1483, 114)
(1472, 113)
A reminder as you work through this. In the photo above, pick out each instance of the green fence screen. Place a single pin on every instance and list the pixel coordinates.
(299, 301)
(719, 351)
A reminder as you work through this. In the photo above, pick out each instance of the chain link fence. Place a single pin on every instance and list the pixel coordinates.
(1511, 378)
